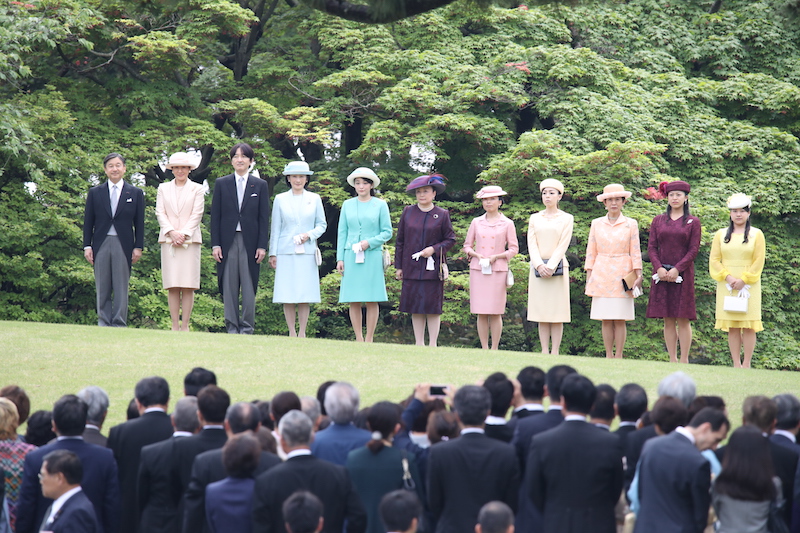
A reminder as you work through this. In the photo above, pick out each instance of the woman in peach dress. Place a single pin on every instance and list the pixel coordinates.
(612, 252)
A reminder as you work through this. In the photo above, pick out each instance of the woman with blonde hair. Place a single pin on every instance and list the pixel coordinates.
(12, 456)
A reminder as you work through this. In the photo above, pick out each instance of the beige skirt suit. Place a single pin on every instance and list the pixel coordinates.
(548, 239)
(180, 209)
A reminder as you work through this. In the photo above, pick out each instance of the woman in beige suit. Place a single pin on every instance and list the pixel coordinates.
(179, 209)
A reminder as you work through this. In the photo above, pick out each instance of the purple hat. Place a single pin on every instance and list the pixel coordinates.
(667, 187)
(434, 180)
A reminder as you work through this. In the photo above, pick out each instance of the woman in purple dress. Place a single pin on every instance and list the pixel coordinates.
(674, 242)
(424, 235)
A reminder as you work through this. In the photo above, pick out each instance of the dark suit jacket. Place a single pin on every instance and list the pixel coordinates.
(574, 476)
(780, 440)
(464, 474)
(206, 469)
(230, 505)
(100, 484)
(254, 218)
(501, 432)
(126, 440)
(128, 220)
(93, 436)
(158, 491)
(530, 426)
(327, 481)
(634, 443)
(516, 416)
(187, 449)
(674, 484)
(76, 516)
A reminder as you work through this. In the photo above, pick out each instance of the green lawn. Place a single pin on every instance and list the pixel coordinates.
(49, 360)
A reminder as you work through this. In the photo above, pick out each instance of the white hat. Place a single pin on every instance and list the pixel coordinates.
(364, 172)
(181, 159)
(739, 201)
(553, 184)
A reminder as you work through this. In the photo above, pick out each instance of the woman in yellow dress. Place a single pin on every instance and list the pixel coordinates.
(736, 261)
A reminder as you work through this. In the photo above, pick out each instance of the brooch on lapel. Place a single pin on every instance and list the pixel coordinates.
(435, 216)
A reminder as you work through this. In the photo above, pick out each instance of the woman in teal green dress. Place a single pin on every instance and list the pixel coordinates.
(364, 226)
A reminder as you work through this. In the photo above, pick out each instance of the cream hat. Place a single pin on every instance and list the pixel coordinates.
(613, 190)
(181, 159)
(489, 191)
(364, 172)
(552, 183)
(739, 201)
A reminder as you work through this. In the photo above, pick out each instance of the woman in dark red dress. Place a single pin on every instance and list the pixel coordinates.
(424, 235)
(674, 242)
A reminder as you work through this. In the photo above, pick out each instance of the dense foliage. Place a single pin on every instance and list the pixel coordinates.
(632, 92)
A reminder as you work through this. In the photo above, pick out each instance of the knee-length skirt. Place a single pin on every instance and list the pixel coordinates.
(422, 297)
(180, 267)
(296, 279)
(487, 292)
(612, 309)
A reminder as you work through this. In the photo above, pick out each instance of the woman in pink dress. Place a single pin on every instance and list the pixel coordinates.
(674, 242)
(490, 234)
(611, 254)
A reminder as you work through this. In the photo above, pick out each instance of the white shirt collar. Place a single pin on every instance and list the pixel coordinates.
(556, 407)
(91, 426)
(213, 426)
(64, 437)
(61, 500)
(154, 410)
(472, 430)
(298, 453)
(570, 418)
(603, 426)
(181, 434)
(686, 433)
(238, 176)
(495, 420)
(791, 436)
(626, 423)
(530, 407)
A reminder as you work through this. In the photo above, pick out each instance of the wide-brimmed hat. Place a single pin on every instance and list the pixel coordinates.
(739, 201)
(613, 190)
(364, 172)
(667, 187)
(181, 159)
(552, 183)
(434, 180)
(297, 168)
(490, 191)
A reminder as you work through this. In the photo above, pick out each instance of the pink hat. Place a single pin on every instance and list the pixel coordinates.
(614, 190)
(490, 191)
(434, 180)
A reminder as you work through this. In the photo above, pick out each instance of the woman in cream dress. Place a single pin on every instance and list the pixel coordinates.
(179, 210)
(549, 235)
(613, 251)
(736, 260)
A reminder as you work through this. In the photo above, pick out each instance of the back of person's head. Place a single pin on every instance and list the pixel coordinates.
(267, 440)
(759, 411)
(64, 462)
(399, 509)
(603, 406)
(678, 385)
(321, 391)
(382, 420)
(9, 419)
(240, 455)
(213, 403)
(282, 403)
(360, 420)
(132, 411)
(302, 513)
(152, 391)
(747, 469)
(578, 393)
(631, 402)
(668, 413)
(555, 376)
(40, 428)
(442, 425)
(242, 416)
(296, 429)
(184, 416)
(341, 402)
(311, 407)
(714, 417)
(495, 517)
(69, 415)
(97, 401)
(501, 392)
(18, 397)
(705, 401)
(788, 417)
(196, 379)
(472, 403)
(265, 413)
(420, 423)
(531, 383)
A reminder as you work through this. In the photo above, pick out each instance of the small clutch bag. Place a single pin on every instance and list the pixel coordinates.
(629, 280)
(559, 271)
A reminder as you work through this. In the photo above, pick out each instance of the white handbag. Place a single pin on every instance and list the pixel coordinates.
(509, 279)
(737, 304)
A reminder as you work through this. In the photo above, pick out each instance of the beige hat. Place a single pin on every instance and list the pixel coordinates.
(552, 183)
(739, 201)
(181, 159)
(364, 172)
(489, 191)
(613, 190)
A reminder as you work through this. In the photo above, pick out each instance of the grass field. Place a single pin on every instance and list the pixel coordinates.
(50, 360)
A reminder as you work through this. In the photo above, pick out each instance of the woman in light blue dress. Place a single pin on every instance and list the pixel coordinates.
(364, 226)
(298, 220)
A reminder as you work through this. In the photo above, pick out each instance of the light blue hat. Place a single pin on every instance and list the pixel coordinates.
(297, 167)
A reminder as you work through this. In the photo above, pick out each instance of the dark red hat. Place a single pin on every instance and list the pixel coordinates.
(667, 187)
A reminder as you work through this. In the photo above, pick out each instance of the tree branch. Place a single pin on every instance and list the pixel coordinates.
(366, 14)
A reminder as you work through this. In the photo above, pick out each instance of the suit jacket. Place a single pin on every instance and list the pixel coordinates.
(336, 441)
(230, 505)
(501, 432)
(186, 450)
(781, 440)
(329, 482)
(634, 443)
(126, 440)
(516, 416)
(158, 491)
(128, 220)
(254, 218)
(574, 476)
(75, 516)
(100, 484)
(464, 474)
(530, 426)
(181, 213)
(93, 436)
(674, 485)
(207, 469)
(290, 219)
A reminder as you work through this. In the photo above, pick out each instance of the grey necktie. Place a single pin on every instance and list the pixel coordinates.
(240, 190)
(114, 199)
